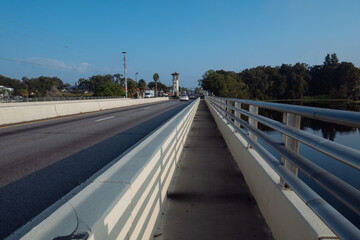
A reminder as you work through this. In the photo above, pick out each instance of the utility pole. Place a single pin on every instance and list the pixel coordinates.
(126, 92)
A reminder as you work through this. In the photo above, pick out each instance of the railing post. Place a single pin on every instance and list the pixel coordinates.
(290, 120)
(229, 109)
(237, 114)
(226, 108)
(252, 122)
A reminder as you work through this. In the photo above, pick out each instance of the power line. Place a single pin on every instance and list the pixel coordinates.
(26, 34)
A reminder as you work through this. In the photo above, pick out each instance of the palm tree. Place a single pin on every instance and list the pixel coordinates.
(142, 86)
(3, 92)
(156, 78)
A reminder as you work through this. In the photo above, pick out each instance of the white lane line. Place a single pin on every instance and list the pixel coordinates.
(102, 119)
(146, 107)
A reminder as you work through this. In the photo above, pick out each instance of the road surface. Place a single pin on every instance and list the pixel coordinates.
(41, 162)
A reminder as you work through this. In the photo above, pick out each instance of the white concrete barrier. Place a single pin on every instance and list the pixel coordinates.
(124, 202)
(24, 112)
(285, 213)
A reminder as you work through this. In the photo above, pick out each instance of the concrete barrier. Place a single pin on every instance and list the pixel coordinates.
(24, 112)
(285, 213)
(125, 201)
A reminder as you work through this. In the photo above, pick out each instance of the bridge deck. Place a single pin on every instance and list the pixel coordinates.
(209, 198)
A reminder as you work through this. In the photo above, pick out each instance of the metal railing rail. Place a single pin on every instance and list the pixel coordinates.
(348, 118)
(338, 151)
(346, 193)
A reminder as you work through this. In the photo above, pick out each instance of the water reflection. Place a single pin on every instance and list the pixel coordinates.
(328, 130)
(347, 136)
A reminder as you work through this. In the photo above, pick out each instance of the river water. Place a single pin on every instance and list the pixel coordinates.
(341, 134)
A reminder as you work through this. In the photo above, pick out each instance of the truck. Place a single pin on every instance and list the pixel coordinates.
(149, 94)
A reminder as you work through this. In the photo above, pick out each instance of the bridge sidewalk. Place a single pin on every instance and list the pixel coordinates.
(209, 198)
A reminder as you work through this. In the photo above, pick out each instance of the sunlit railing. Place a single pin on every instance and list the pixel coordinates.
(291, 161)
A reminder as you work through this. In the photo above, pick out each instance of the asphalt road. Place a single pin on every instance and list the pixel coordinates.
(41, 162)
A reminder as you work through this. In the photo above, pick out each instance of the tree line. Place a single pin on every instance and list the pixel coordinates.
(97, 85)
(332, 79)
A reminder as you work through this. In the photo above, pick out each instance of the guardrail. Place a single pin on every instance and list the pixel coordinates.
(23, 112)
(124, 201)
(291, 161)
(49, 99)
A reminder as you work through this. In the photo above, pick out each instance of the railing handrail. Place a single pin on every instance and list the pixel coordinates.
(345, 154)
(343, 191)
(348, 118)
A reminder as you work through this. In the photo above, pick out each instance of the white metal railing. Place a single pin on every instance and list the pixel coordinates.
(291, 161)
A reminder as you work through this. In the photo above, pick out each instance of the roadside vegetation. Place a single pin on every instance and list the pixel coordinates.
(331, 80)
(97, 85)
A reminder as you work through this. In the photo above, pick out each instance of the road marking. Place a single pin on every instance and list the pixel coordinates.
(147, 108)
(102, 119)
(45, 120)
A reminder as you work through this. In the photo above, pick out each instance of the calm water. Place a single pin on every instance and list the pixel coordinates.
(344, 135)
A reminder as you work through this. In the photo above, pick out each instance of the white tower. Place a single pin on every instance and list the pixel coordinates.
(175, 84)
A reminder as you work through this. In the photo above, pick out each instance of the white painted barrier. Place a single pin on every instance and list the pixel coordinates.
(286, 214)
(124, 202)
(24, 112)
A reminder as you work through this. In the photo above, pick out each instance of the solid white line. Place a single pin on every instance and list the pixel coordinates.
(104, 119)
(146, 107)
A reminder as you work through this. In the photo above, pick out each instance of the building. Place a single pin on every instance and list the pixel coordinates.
(5, 91)
(175, 84)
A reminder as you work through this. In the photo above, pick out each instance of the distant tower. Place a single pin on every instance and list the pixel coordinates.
(175, 84)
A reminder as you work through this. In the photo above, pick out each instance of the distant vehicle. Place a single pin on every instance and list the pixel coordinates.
(184, 97)
(192, 96)
(149, 93)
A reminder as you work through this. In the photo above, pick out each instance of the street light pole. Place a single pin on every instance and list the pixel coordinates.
(126, 92)
(136, 76)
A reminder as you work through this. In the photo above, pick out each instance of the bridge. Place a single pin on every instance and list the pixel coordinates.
(203, 174)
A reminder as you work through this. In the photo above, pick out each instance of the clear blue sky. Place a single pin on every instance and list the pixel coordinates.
(73, 39)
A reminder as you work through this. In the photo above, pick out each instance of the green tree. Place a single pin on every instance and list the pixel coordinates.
(224, 83)
(11, 83)
(334, 59)
(109, 89)
(156, 78)
(323, 77)
(142, 86)
(43, 86)
(132, 87)
(297, 83)
(257, 80)
(160, 86)
(98, 80)
(213, 81)
(348, 81)
(277, 83)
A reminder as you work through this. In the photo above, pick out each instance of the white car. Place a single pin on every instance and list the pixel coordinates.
(184, 97)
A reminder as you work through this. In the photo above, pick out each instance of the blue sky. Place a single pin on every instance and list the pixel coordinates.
(74, 39)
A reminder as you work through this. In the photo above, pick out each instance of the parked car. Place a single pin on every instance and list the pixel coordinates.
(184, 97)
(149, 93)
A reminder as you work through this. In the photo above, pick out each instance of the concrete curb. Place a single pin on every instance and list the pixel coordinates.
(285, 213)
(25, 112)
(126, 200)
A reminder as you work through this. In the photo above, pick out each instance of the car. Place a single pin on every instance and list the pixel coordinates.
(184, 97)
